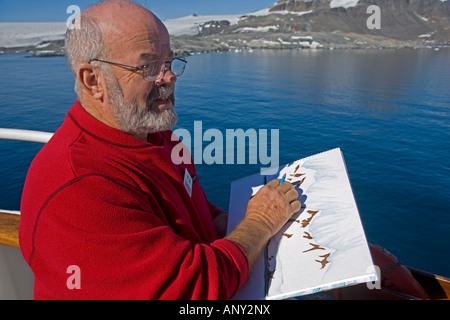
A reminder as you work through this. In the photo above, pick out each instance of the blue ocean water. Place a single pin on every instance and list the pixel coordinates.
(388, 110)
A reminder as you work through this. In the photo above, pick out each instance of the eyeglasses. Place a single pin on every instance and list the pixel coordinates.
(154, 69)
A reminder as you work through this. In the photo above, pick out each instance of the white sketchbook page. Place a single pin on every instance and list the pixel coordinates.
(322, 246)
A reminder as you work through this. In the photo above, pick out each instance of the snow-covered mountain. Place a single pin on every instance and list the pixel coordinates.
(324, 23)
(32, 33)
(195, 24)
(18, 34)
(285, 24)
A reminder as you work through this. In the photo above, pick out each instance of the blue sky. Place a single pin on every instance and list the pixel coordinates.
(55, 10)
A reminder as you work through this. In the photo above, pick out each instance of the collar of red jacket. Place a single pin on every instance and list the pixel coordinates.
(101, 131)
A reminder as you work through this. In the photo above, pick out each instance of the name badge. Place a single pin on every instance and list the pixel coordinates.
(188, 182)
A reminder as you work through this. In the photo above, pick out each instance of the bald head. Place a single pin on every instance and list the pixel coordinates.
(119, 21)
(119, 12)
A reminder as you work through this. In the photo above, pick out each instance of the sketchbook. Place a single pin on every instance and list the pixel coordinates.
(322, 247)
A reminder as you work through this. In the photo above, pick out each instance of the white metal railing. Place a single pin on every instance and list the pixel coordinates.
(25, 135)
(16, 212)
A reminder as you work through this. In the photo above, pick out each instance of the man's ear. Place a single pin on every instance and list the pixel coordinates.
(91, 80)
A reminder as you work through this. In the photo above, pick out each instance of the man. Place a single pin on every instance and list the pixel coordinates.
(105, 212)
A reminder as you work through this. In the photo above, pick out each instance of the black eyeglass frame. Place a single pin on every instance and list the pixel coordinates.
(152, 78)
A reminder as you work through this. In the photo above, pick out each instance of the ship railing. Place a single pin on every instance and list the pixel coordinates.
(25, 135)
(9, 219)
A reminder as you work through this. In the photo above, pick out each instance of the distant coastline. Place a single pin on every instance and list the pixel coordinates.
(314, 24)
(189, 45)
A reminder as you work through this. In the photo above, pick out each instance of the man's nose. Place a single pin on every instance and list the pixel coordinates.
(166, 76)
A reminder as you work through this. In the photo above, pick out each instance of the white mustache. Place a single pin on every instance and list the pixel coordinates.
(160, 92)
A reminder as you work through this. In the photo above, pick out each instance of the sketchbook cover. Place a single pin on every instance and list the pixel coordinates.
(322, 247)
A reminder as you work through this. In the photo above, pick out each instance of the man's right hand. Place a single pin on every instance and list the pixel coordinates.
(273, 205)
(267, 212)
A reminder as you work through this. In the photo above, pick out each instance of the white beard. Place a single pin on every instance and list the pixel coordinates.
(136, 119)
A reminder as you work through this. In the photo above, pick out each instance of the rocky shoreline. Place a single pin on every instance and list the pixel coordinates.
(50, 48)
(188, 45)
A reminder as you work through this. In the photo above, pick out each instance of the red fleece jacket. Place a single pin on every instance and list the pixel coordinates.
(116, 207)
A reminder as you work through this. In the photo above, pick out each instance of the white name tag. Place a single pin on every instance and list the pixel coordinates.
(188, 182)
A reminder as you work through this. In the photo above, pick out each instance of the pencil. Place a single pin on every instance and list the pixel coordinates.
(283, 178)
